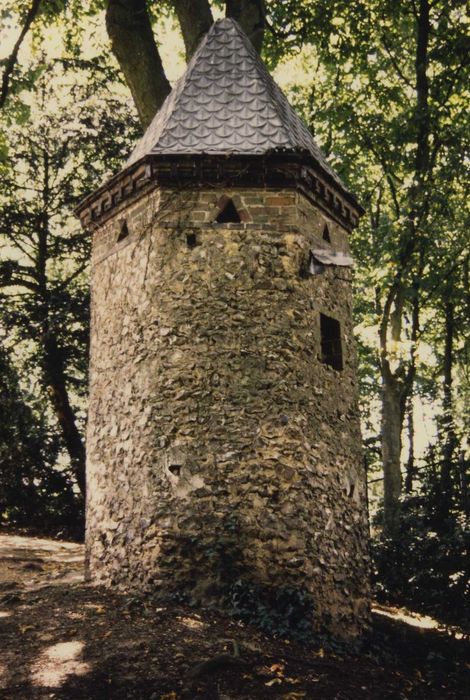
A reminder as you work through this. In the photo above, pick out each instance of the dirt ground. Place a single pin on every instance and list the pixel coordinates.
(62, 639)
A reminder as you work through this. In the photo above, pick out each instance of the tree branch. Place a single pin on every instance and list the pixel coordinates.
(395, 63)
(12, 58)
(133, 44)
(16, 238)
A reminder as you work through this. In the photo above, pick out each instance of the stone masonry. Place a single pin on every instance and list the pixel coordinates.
(222, 442)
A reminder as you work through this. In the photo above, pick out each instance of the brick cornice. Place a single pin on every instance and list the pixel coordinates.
(277, 170)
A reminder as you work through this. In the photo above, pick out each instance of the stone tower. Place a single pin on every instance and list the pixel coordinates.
(223, 435)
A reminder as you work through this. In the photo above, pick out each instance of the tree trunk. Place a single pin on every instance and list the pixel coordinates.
(464, 466)
(132, 41)
(133, 44)
(55, 382)
(397, 385)
(52, 363)
(250, 14)
(392, 422)
(195, 18)
(10, 62)
(410, 464)
(448, 432)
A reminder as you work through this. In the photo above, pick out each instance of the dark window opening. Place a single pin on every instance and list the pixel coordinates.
(331, 351)
(351, 490)
(229, 214)
(123, 232)
(326, 234)
(315, 266)
(191, 240)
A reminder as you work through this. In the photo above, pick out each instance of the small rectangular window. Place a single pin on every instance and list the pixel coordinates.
(331, 350)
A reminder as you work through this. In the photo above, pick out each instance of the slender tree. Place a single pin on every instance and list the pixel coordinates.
(389, 93)
(53, 162)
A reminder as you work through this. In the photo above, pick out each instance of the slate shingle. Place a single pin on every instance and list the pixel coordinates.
(227, 102)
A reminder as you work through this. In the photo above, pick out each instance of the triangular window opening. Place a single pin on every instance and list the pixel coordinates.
(326, 234)
(123, 232)
(229, 214)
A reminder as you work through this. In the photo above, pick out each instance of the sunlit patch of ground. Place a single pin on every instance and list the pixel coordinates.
(424, 622)
(194, 622)
(29, 563)
(413, 619)
(56, 663)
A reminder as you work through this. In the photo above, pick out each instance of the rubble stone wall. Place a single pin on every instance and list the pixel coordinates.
(219, 443)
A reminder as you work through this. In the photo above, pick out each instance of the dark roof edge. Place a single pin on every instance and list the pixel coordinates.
(106, 186)
(158, 168)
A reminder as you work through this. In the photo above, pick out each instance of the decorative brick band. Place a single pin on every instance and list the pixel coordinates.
(191, 171)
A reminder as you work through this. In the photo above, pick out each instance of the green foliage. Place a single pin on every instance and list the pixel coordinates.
(283, 612)
(426, 565)
(33, 493)
(75, 131)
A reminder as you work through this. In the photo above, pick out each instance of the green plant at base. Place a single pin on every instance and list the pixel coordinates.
(283, 612)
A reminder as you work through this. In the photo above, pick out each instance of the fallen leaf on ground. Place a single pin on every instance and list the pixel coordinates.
(277, 668)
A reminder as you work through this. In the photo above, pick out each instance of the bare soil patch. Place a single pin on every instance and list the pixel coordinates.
(65, 640)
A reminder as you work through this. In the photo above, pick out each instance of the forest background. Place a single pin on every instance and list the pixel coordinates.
(384, 88)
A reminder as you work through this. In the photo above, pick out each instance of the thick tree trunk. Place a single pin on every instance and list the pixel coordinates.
(250, 14)
(392, 423)
(133, 44)
(195, 18)
(397, 391)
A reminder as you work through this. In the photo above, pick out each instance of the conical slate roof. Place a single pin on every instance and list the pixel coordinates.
(227, 103)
